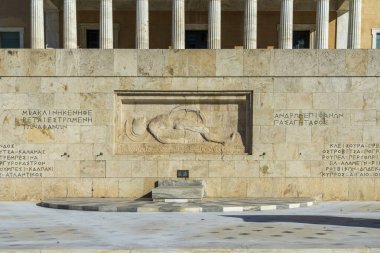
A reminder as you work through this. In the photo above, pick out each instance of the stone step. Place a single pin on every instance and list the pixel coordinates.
(178, 192)
(173, 182)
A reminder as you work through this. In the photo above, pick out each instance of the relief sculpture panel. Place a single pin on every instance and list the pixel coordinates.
(186, 122)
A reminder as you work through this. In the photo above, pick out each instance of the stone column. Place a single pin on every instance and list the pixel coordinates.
(322, 33)
(178, 24)
(142, 24)
(214, 24)
(37, 24)
(70, 24)
(286, 25)
(106, 25)
(355, 24)
(250, 24)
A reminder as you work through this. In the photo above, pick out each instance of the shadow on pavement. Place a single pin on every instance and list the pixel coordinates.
(308, 219)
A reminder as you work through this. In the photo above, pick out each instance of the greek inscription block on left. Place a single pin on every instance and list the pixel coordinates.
(21, 162)
(53, 119)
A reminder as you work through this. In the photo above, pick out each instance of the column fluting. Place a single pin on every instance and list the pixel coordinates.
(37, 24)
(250, 24)
(355, 24)
(322, 32)
(106, 24)
(214, 24)
(286, 25)
(70, 24)
(142, 24)
(178, 24)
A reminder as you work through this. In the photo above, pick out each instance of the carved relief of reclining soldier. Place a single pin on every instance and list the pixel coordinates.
(182, 125)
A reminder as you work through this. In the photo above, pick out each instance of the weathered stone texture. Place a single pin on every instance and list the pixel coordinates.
(229, 62)
(305, 104)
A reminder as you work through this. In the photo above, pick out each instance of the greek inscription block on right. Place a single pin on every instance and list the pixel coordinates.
(308, 118)
(351, 160)
(183, 122)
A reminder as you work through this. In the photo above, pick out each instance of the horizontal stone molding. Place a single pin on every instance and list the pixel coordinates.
(189, 63)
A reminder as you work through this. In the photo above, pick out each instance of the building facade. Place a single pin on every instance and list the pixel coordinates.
(192, 24)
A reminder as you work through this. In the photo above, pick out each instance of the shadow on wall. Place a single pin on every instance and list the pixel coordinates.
(308, 219)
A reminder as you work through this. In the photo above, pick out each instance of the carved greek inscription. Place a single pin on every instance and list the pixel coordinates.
(308, 118)
(351, 160)
(21, 162)
(53, 119)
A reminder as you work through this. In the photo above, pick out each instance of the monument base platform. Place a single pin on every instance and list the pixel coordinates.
(147, 205)
(179, 191)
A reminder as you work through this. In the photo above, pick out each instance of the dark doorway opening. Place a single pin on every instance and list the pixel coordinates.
(92, 38)
(9, 40)
(196, 39)
(301, 39)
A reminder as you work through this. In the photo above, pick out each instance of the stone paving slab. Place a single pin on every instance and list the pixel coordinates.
(206, 205)
(329, 227)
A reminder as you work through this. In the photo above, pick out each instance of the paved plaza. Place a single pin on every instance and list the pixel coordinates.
(325, 227)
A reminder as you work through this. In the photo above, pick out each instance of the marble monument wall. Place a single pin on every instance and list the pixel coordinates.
(251, 123)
